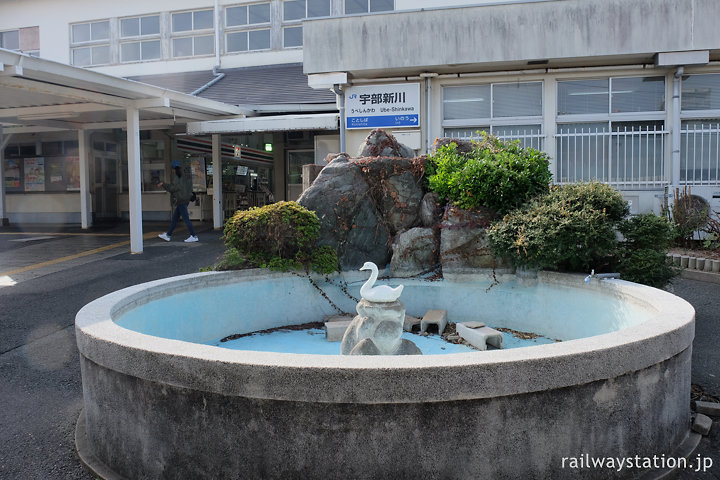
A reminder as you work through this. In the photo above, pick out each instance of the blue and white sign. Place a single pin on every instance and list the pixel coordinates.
(382, 106)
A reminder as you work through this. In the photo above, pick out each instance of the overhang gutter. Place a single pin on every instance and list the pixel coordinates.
(277, 123)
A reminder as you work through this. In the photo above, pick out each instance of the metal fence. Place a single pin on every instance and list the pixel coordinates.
(529, 138)
(700, 153)
(631, 156)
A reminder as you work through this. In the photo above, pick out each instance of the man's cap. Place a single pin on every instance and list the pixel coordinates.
(175, 163)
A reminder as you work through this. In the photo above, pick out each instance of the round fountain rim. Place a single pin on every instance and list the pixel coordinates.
(324, 378)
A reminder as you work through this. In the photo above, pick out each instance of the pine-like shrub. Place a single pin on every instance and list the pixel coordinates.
(572, 228)
(642, 256)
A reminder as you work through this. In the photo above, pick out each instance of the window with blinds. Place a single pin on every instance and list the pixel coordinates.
(511, 111)
(611, 130)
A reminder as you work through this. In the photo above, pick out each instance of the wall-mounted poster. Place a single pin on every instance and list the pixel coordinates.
(72, 174)
(197, 169)
(35, 174)
(12, 174)
(55, 174)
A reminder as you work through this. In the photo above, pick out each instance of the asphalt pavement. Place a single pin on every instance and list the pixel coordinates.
(48, 273)
(40, 385)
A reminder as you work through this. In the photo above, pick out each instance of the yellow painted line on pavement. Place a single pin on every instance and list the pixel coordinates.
(74, 256)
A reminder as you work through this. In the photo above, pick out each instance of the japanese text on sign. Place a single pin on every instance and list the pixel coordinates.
(392, 105)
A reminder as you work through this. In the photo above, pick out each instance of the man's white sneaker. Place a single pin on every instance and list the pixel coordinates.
(164, 236)
(191, 238)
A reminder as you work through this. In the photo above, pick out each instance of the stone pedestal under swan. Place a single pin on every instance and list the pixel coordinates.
(377, 329)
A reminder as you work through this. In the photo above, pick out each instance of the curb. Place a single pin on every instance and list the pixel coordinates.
(686, 448)
(701, 276)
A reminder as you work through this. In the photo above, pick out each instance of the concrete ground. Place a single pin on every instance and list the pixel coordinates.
(47, 274)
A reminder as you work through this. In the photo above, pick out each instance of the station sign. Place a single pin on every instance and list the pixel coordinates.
(382, 106)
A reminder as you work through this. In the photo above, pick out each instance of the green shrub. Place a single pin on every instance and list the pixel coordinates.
(280, 236)
(325, 260)
(647, 231)
(642, 256)
(570, 229)
(494, 174)
(646, 266)
(232, 260)
(280, 229)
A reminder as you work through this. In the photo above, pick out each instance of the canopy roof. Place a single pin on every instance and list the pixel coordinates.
(38, 95)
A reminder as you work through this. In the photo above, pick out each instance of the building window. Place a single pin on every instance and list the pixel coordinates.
(301, 9)
(611, 130)
(193, 33)
(57, 169)
(140, 38)
(243, 25)
(90, 43)
(701, 92)
(10, 40)
(368, 6)
(511, 111)
(292, 37)
(294, 12)
(700, 130)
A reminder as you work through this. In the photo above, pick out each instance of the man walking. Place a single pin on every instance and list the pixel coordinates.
(180, 193)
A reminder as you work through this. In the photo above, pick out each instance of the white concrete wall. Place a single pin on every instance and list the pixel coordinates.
(426, 4)
(496, 36)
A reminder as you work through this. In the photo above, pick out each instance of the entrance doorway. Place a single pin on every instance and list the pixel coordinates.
(295, 160)
(107, 187)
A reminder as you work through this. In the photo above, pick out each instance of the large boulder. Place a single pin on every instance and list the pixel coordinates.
(382, 144)
(430, 210)
(463, 244)
(349, 221)
(396, 188)
(462, 146)
(415, 251)
(363, 202)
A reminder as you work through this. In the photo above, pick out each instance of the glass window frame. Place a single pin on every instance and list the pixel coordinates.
(367, 10)
(193, 34)
(700, 134)
(142, 39)
(492, 120)
(609, 114)
(245, 30)
(306, 15)
(285, 28)
(700, 112)
(8, 34)
(93, 46)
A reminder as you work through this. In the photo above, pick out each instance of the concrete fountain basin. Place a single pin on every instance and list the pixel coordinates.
(158, 403)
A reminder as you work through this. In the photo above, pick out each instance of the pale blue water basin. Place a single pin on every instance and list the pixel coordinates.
(203, 313)
(312, 341)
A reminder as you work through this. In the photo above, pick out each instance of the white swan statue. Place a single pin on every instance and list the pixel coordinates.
(381, 293)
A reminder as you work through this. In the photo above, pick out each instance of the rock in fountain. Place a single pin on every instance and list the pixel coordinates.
(378, 327)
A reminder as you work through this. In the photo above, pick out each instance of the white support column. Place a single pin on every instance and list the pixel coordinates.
(549, 126)
(84, 153)
(675, 133)
(3, 214)
(339, 91)
(134, 179)
(428, 137)
(218, 211)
